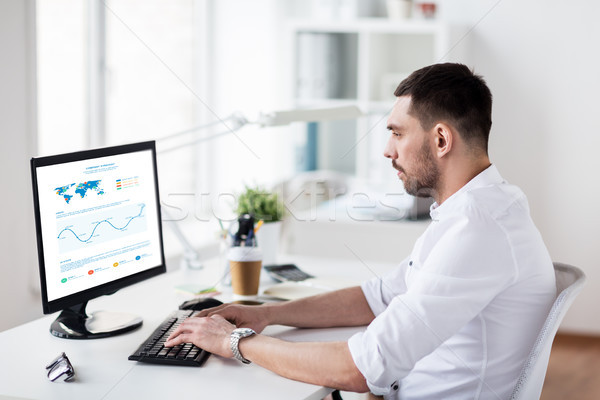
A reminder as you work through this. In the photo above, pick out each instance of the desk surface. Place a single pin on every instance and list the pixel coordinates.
(101, 365)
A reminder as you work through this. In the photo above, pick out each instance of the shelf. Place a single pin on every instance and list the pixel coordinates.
(321, 102)
(360, 62)
(373, 25)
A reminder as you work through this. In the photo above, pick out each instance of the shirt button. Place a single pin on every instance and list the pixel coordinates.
(394, 385)
(410, 263)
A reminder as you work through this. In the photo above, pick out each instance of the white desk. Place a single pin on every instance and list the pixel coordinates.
(101, 365)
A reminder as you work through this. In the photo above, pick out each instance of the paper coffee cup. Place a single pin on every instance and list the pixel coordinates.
(245, 264)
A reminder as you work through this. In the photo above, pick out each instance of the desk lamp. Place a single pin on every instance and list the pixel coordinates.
(233, 123)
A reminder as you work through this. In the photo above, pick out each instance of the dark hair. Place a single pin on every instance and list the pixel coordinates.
(453, 94)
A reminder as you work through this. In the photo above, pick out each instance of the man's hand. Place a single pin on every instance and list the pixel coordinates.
(254, 317)
(209, 333)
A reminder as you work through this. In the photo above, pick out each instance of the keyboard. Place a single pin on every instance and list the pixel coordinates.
(152, 350)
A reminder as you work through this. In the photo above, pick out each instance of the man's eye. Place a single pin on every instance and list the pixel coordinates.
(394, 133)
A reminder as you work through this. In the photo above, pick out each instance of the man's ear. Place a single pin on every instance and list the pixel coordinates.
(443, 139)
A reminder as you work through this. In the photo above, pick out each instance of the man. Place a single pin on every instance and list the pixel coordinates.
(457, 318)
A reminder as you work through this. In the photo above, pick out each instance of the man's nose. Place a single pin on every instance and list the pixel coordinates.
(389, 151)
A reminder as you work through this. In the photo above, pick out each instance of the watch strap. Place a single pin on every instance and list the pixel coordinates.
(236, 336)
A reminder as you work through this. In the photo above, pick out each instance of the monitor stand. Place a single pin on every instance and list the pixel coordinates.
(74, 323)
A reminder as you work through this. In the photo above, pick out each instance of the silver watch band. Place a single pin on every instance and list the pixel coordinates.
(234, 342)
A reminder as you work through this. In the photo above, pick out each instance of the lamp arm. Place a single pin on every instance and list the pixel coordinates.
(238, 120)
(193, 129)
(276, 118)
(197, 140)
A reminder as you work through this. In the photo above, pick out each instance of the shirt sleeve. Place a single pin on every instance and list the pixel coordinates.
(378, 294)
(461, 274)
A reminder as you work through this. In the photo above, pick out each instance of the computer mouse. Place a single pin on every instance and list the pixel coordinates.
(200, 303)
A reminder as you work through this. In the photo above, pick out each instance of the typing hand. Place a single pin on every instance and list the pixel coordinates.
(254, 317)
(209, 333)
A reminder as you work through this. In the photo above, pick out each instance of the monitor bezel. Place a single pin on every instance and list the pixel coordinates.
(83, 296)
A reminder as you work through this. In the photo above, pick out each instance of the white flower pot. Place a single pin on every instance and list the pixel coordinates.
(267, 238)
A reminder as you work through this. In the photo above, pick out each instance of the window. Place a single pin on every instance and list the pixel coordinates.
(62, 80)
(114, 72)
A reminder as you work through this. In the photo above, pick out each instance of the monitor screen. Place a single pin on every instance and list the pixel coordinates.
(98, 222)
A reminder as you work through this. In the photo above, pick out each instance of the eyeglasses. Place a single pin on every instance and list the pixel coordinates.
(60, 367)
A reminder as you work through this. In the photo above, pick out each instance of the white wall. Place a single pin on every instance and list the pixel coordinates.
(541, 60)
(18, 268)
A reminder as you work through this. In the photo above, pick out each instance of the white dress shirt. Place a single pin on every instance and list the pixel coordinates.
(458, 317)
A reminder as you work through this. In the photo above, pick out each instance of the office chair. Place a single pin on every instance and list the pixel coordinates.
(569, 282)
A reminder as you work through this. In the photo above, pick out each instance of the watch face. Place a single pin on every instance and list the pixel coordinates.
(243, 332)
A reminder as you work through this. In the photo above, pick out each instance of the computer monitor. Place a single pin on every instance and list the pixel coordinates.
(98, 226)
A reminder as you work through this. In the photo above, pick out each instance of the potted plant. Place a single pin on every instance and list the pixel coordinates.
(262, 204)
(265, 206)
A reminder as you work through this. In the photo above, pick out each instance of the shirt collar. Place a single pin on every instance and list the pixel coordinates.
(487, 177)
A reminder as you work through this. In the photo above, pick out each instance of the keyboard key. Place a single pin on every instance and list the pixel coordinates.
(163, 352)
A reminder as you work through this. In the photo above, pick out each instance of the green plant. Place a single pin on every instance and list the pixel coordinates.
(261, 203)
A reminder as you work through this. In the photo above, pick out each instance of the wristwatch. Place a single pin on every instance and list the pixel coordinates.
(236, 336)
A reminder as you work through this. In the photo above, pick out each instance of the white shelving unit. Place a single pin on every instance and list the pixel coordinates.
(361, 62)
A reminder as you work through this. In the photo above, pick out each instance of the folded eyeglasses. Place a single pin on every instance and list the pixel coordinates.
(60, 367)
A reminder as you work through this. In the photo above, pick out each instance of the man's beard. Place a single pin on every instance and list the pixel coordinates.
(424, 180)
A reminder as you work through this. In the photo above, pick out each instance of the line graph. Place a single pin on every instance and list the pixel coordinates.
(99, 223)
(97, 228)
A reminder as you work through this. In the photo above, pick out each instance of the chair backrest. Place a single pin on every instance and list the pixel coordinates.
(569, 282)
